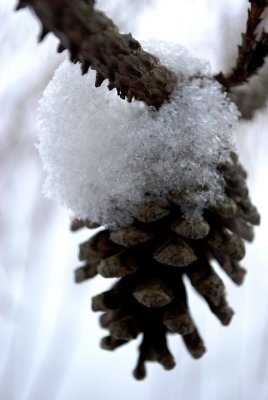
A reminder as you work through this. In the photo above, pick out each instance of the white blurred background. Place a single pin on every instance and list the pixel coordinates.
(49, 340)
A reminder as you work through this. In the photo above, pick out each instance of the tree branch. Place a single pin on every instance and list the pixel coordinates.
(253, 50)
(94, 40)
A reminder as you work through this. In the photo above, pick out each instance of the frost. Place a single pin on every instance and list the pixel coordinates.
(105, 157)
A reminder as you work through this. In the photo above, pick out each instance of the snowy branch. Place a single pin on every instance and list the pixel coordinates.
(94, 40)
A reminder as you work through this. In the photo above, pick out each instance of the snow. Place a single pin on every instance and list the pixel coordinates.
(105, 157)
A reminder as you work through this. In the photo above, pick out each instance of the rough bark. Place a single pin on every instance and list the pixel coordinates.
(94, 40)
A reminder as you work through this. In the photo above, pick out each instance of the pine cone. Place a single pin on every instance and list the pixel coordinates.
(150, 258)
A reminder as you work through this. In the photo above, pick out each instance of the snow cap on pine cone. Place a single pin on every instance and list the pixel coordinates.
(104, 157)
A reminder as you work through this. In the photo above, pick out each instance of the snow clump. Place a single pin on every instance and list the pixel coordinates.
(104, 157)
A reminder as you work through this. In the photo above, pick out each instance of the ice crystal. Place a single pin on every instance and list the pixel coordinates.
(104, 157)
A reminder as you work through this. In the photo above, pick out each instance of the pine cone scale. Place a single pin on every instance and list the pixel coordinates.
(176, 253)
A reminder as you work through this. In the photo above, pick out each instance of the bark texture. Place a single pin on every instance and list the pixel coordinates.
(253, 50)
(94, 40)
